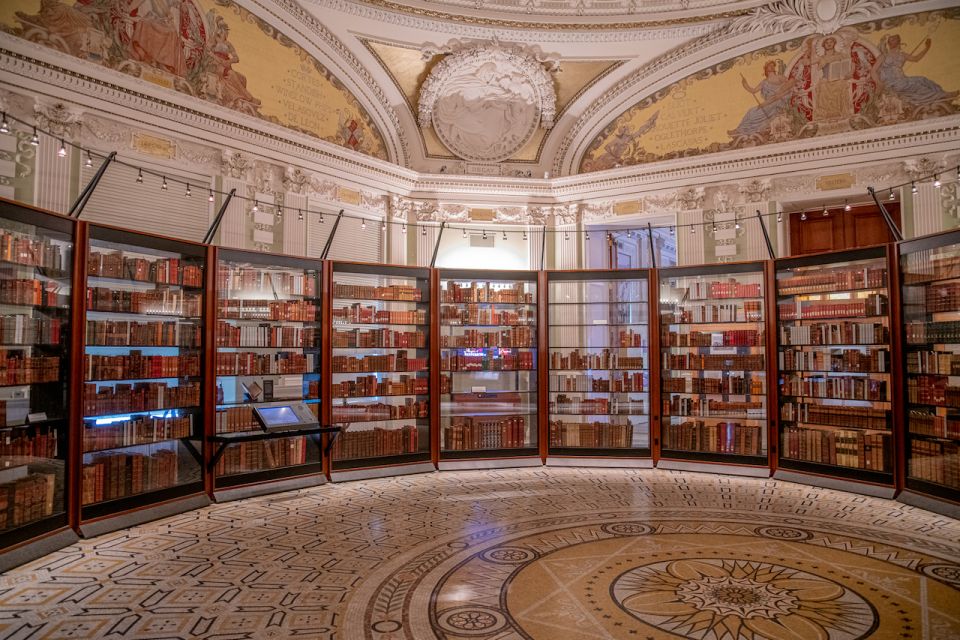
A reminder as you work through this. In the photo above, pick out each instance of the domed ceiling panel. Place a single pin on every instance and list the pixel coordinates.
(871, 74)
(210, 49)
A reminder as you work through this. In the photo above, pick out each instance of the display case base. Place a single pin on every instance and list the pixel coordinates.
(382, 472)
(266, 488)
(715, 467)
(878, 491)
(140, 516)
(608, 462)
(489, 463)
(37, 548)
(950, 509)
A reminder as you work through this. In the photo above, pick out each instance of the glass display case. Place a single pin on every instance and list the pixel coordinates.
(36, 270)
(598, 359)
(930, 282)
(268, 348)
(488, 365)
(713, 385)
(835, 393)
(143, 371)
(380, 375)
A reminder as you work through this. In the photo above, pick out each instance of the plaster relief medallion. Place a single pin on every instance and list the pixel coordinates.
(486, 102)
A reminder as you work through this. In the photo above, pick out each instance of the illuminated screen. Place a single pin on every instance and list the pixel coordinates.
(278, 415)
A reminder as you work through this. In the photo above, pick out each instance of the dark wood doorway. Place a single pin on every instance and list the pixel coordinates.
(862, 226)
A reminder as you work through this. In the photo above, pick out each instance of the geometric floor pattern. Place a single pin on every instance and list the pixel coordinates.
(535, 554)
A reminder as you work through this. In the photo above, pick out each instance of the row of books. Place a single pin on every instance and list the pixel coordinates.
(119, 333)
(136, 366)
(140, 269)
(264, 390)
(612, 406)
(747, 311)
(136, 431)
(937, 462)
(474, 338)
(376, 442)
(494, 432)
(490, 360)
(832, 280)
(840, 360)
(27, 498)
(22, 329)
(246, 281)
(614, 382)
(699, 290)
(27, 442)
(371, 412)
(476, 315)
(486, 292)
(366, 292)
(389, 338)
(703, 361)
(933, 332)
(827, 333)
(142, 396)
(248, 363)
(874, 304)
(719, 437)
(727, 338)
(266, 335)
(835, 415)
(369, 386)
(396, 362)
(596, 315)
(168, 302)
(248, 457)
(943, 297)
(624, 338)
(734, 384)
(283, 310)
(930, 264)
(108, 476)
(594, 435)
(361, 314)
(234, 419)
(839, 388)
(606, 359)
(697, 407)
(18, 368)
(31, 251)
(933, 390)
(943, 362)
(923, 422)
(35, 293)
(854, 449)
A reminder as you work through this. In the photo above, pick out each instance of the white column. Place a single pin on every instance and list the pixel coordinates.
(690, 245)
(52, 186)
(927, 210)
(425, 242)
(234, 226)
(294, 229)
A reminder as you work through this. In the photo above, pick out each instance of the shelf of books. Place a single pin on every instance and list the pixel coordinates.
(713, 384)
(143, 374)
(930, 282)
(36, 267)
(268, 349)
(835, 392)
(599, 379)
(380, 375)
(488, 368)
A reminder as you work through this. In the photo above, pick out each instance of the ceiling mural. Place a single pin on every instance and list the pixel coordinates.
(871, 74)
(210, 49)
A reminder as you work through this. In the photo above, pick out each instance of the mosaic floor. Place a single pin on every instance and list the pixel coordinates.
(539, 554)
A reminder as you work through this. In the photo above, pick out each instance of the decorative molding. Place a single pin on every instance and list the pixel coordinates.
(806, 16)
(691, 199)
(59, 119)
(235, 165)
(755, 190)
(295, 180)
(924, 166)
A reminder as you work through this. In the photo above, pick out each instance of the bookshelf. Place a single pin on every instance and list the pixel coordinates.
(488, 368)
(834, 363)
(598, 394)
(713, 378)
(36, 270)
(143, 360)
(379, 369)
(930, 286)
(268, 340)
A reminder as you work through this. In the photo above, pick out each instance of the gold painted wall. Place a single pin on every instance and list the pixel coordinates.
(857, 78)
(212, 49)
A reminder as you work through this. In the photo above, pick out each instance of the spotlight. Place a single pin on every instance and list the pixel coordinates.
(256, 206)
(279, 213)
(188, 193)
(913, 187)
(737, 225)
(35, 140)
(363, 223)
(803, 216)
(163, 187)
(88, 162)
(4, 127)
(846, 206)
(936, 181)
(693, 229)
(586, 235)
(566, 235)
(139, 176)
(504, 236)
(779, 216)
(714, 227)
(524, 235)
(210, 197)
(404, 229)
(484, 234)
(321, 218)
(300, 215)
(673, 230)
(891, 195)
(464, 232)
(383, 225)
(826, 212)
(62, 151)
(423, 232)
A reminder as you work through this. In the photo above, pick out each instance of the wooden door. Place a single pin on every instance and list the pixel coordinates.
(862, 226)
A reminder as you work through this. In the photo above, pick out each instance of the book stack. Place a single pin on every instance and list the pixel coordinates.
(933, 390)
(249, 281)
(27, 497)
(827, 333)
(34, 293)
(370, 386)
(696, 407)
(831, 280)
(398, 362)
(30, 251)
(142, 396)
(933, 461)
(492, 432)
(856, 417)
(606, 359)
(364, 292)
(475, 314)
(22, 329)
(376, 442)
(591, 434)
(943, 297)
(249, 363)
(720, 437)
(745, 384)
(18, 368)
(121, 333)
(488, 360)
(144, 430)
(29, 442)
(854, 449)
(247, 457)
(166, 302)
(943, 362)
(874, 304)
(486, 292)
(928, 424)
(108, 476)
(360, 314)
(156, 270)
(931, 264)
(575, 405)
(366, 338)
(512, 337)
(136, 366)
(838, 388)
(704, 362)
(234, 419)
(714, 313)
(924, 332)
(373, 412)
(616, 383)
(726, 338)
(266, 335)
(282, 310)
(731, 288)
(839, 360)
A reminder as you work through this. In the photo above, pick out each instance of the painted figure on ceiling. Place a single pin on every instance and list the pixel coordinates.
(831, 86)
(228, 85)
(915, 90)
(776, 91)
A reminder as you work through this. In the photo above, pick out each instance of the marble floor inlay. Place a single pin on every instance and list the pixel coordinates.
(535, 554)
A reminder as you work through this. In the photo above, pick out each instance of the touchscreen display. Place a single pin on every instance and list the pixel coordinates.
(273, 416)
